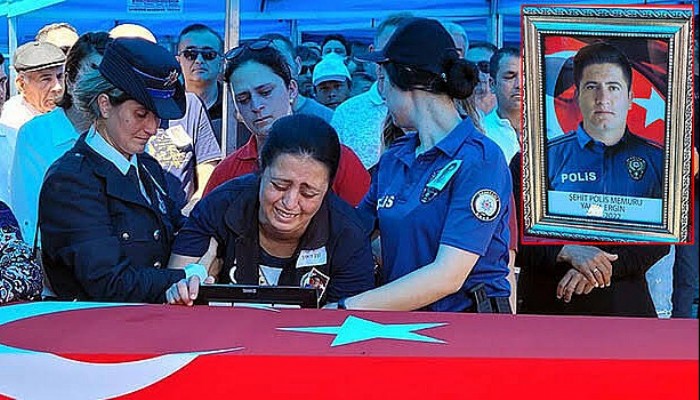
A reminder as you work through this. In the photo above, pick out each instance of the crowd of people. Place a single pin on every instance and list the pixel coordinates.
(389, 178)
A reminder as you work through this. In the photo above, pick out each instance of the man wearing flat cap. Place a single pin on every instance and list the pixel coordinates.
(39, 67)
(39, 79)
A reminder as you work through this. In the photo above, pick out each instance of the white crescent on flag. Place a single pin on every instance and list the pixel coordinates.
(63, 378)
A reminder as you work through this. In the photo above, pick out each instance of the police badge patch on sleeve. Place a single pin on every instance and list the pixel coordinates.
(486, 204)
(636, 166)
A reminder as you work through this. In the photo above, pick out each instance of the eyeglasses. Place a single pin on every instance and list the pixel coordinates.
(207, 55)
(231, 55)
(257, 45)
(307, 69)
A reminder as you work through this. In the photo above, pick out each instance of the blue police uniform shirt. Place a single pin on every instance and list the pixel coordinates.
(631, 167)
(469, 212)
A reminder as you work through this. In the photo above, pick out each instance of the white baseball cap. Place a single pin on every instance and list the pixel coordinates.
(330, 68)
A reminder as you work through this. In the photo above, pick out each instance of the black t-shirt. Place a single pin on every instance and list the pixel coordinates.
(274, 271)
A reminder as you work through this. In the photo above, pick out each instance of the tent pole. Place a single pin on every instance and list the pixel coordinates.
(229, 134)
(12, 48)
(496, 24)
(294, 34)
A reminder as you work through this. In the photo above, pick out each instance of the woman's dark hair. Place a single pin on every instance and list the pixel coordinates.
(303, 135)
(458, 79)
(87, 44)
(262, 54)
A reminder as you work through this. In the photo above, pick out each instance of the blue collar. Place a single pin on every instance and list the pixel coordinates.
(101, 147)
(584, 139)
(449, 145)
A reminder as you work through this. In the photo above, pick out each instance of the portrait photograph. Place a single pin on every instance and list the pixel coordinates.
(608, 123)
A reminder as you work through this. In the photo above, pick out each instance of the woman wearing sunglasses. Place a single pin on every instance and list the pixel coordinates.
(441, 195)
(264, 91)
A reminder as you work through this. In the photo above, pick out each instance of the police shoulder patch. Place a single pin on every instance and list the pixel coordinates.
(485, 205)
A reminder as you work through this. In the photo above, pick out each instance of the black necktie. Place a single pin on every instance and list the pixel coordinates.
(134, 179)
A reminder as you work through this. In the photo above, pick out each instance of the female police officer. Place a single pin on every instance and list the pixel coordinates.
(283, 226)
(106, 222)
(441, 195)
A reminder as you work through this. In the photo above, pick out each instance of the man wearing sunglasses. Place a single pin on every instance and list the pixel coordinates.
(480, 54)
(200, 50)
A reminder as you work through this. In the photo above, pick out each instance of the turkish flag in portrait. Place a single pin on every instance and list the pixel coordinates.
(649, 59)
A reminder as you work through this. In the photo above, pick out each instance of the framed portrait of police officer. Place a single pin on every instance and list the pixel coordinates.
(608, 123)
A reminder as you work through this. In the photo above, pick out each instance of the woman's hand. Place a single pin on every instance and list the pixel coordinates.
(185, 291)
(594, 263)
(572, 283)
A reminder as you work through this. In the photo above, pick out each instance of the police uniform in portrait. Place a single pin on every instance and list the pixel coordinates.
(456, 194)
(106, 221)
(631, 167)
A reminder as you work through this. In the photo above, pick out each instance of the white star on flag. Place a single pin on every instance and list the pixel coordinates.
(655, 107)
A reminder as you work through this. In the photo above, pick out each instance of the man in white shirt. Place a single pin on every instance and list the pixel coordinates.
(359, 119)
(502, 125)
(39, 67)
(39, 79)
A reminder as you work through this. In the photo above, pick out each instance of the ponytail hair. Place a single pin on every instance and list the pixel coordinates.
(457, 79)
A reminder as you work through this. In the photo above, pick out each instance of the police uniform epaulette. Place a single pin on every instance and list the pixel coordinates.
(71, 161)
(561, 139)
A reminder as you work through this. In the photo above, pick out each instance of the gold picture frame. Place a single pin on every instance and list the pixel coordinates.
(566, 193)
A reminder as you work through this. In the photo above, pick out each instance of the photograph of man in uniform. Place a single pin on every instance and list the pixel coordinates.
(602, 155)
